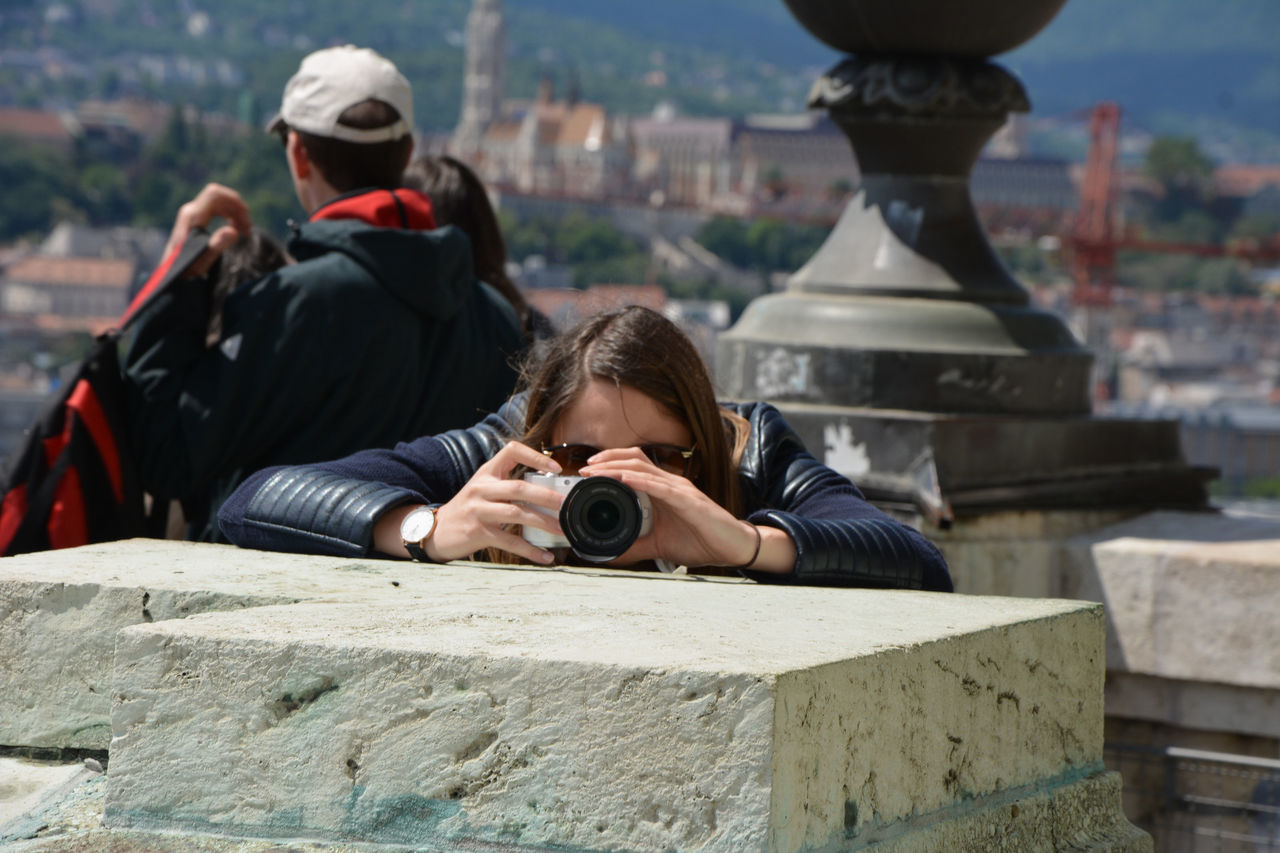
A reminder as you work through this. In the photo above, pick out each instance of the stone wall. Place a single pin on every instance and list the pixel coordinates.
(381, 702)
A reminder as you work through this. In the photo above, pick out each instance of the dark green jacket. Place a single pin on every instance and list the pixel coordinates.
(376, 335)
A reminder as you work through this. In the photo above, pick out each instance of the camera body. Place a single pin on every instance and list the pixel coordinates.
(601, 517)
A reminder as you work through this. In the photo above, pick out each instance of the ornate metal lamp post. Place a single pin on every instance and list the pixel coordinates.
(905, 330)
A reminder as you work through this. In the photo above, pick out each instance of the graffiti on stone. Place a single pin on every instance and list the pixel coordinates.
(990, 385)
(782, 373)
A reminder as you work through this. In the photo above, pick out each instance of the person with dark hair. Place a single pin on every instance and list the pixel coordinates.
(624, 396)
(458, 197)
(378, 333)
(251, 256)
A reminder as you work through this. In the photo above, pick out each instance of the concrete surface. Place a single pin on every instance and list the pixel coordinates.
(390, 705)
(60, 612)
(28, 786)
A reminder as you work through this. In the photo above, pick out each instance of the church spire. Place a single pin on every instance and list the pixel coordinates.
(485, 71)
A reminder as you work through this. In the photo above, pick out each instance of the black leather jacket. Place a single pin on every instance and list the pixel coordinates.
(841, 540)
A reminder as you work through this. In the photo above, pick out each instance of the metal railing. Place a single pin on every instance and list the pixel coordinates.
(1195, 801)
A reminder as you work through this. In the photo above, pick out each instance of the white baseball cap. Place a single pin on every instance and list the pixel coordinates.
(331, 80)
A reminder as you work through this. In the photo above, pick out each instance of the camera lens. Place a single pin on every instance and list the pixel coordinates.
(601, 517)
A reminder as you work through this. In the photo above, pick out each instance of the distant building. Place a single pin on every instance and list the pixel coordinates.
(126, 118)
(571, 148)
(1025, 193)
(545, 146)
(534, 272)
(79, 278)
(143, 246)
(804, 156)
(683, 161)
(44, 128)
(67, 294)
(1244, 181)
(483, 78)
(567, 307)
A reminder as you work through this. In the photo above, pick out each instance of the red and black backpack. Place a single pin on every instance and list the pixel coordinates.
(73, 479)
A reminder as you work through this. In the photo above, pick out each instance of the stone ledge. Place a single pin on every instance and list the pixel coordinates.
(367, 705)
(1156, 575)
(542, 708)
(60, 612)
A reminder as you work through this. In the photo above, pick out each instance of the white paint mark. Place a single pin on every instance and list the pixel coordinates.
(841, 454)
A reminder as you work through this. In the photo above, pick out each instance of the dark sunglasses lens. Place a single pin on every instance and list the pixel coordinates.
(571, 457)
(667, 457)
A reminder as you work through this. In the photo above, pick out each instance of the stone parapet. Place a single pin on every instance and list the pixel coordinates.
(468, 707)
(1193, 636)
(60, 612)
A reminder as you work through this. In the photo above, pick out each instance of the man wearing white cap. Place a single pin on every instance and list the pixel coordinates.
(379, 333)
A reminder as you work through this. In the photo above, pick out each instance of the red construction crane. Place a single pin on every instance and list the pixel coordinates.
(1093, 237)
(1096, 236)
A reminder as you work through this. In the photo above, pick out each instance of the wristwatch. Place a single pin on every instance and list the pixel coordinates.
(415, 529)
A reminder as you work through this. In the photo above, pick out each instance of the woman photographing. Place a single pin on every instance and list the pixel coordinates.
(625, 396)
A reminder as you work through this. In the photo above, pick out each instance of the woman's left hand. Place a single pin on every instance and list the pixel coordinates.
(689, 528)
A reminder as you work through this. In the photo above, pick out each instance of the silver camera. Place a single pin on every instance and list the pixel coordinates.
(600, 516)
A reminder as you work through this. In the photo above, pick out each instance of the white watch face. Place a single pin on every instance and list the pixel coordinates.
(417, 524)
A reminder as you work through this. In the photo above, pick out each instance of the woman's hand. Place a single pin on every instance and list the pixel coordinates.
(476, 516)
(689, 528)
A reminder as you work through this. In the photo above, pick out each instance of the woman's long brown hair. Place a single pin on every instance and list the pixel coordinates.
(643, 350)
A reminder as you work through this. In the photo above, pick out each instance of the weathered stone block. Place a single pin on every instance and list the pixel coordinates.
(60, 611)
(1190, 596)
(1193, 636)
(546, 708)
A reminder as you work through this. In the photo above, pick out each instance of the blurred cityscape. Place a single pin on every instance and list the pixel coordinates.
(1165, 262)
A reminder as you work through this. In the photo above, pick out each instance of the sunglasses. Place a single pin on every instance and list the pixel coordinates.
(668, 457)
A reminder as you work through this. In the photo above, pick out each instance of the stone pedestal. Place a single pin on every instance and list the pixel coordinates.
(906, 304)
(946, 467)
(905, 329)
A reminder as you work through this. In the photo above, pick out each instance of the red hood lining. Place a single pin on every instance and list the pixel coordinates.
(399, 208)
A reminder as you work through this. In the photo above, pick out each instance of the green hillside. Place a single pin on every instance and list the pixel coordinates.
(1172, 63)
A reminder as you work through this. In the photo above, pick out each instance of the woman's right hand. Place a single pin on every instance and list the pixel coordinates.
(479, 515)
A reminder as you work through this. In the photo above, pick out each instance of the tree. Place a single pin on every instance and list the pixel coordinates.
(580, 239)
(1177, 161)
(1184, 173)
(726, 237)
(104, 190)
(34, 181)
(767, 245)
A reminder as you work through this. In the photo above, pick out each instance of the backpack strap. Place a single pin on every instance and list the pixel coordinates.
(171, 269)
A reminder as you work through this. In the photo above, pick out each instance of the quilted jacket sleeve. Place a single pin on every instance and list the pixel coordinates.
(331, 508)
(840, 538)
